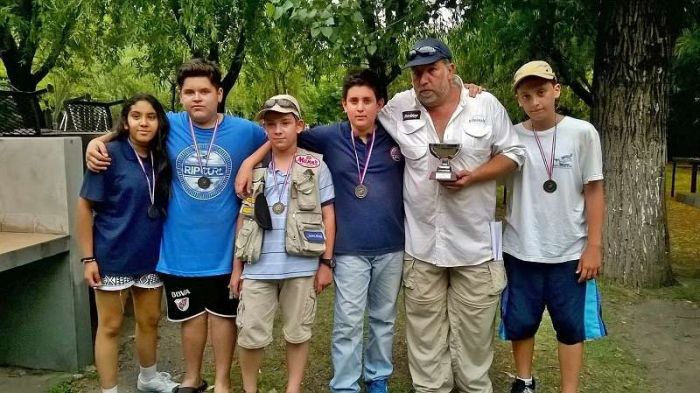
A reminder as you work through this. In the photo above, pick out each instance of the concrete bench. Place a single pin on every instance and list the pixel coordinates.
(44, 303)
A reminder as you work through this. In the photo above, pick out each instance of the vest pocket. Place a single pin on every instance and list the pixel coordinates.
(306, 237)
(305, 191)
(249, 241)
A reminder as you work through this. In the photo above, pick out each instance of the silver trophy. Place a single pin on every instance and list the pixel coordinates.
(444, 152)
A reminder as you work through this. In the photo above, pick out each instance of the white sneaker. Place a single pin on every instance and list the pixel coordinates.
(161, 383)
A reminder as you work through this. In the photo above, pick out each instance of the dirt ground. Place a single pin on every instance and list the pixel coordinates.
(665, 336)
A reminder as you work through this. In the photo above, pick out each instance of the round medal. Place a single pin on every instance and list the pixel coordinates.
(550, 186)
(153, 212)
(278, 208)
(361, 191)
(204, 182)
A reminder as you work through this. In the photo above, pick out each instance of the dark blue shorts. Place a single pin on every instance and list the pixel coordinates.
(575, 308)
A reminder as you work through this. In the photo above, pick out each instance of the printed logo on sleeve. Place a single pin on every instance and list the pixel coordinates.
(411, 115)
(395, 153)
(217, 169)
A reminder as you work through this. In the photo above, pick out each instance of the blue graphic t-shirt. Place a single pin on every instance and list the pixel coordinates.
(198, 234)
(125, 239)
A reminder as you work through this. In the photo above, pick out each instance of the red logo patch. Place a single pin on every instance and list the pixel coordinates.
(307, 161)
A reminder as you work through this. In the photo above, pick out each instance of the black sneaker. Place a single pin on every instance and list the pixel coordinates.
(519, 386)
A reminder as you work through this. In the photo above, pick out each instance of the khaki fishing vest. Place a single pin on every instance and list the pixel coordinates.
(304, 230)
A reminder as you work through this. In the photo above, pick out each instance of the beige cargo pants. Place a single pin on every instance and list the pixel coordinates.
(450, 323)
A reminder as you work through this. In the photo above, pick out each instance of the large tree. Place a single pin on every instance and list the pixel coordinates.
(615, 57)
(36, 36)
(631, 89)
(170, 32)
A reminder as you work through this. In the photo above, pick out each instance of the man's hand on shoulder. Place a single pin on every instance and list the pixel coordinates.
(474, 90)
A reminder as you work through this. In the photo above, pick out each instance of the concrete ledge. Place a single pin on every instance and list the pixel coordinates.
(689, 199)
(17, 249)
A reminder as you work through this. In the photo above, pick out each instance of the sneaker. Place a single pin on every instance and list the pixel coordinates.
(520, 387)
(161, 383)
(378, 386)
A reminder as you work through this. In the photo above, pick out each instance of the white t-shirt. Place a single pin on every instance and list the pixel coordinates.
(551, 227)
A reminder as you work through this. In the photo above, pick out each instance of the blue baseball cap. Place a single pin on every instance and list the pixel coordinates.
(427, 51)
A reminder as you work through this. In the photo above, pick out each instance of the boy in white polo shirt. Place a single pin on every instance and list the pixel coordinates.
(280, 276)
(553, 238)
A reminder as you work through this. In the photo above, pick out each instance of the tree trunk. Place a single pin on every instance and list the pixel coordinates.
(631, 105)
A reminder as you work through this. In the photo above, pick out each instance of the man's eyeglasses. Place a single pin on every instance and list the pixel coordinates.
(282, 102)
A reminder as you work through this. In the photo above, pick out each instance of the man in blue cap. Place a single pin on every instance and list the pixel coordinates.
(453, 272)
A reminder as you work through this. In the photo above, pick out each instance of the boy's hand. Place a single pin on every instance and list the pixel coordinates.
(235, 285)
(244, 179)
(91, 273)
(96, 156)
(324, 278)
(474, 90)
(590, 263)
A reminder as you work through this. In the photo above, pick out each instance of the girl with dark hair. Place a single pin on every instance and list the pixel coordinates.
(120, 215)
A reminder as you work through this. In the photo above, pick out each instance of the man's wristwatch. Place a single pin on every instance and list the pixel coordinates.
(330, 262)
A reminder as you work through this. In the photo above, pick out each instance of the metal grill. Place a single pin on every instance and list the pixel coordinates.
(20, 114)
(89, 116)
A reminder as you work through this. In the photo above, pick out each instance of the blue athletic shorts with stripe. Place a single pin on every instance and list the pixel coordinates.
(575, 308)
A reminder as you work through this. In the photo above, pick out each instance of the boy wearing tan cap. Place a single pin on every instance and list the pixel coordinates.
(288, 269)
(553, 238)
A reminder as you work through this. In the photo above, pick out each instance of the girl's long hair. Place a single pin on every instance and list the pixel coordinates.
(157, 147)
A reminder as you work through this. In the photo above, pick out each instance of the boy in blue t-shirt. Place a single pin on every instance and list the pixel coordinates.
(553, 238)
(279, 279)
(204, 149)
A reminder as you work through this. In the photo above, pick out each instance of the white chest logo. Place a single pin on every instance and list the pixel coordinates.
(216, 167)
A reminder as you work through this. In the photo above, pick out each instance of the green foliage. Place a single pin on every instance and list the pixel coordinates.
(366, 33)
(500, 36)
(36, 36)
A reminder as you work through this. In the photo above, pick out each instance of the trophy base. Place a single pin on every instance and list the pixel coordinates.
(443, 176)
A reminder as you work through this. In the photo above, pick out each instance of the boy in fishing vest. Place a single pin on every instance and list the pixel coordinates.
(284, 246)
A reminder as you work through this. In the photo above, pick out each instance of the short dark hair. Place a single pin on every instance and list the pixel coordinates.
(364, 77)
(199, 67)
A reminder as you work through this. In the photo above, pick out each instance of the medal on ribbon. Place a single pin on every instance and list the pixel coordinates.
(278, 207)
(549, 185)
(361, 189)
(152, 209)
(203, 182)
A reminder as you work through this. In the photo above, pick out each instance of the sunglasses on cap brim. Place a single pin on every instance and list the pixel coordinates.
(281, 102)
(424, 51)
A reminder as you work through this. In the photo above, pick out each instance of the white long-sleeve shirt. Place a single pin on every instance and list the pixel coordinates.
(445, 227)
